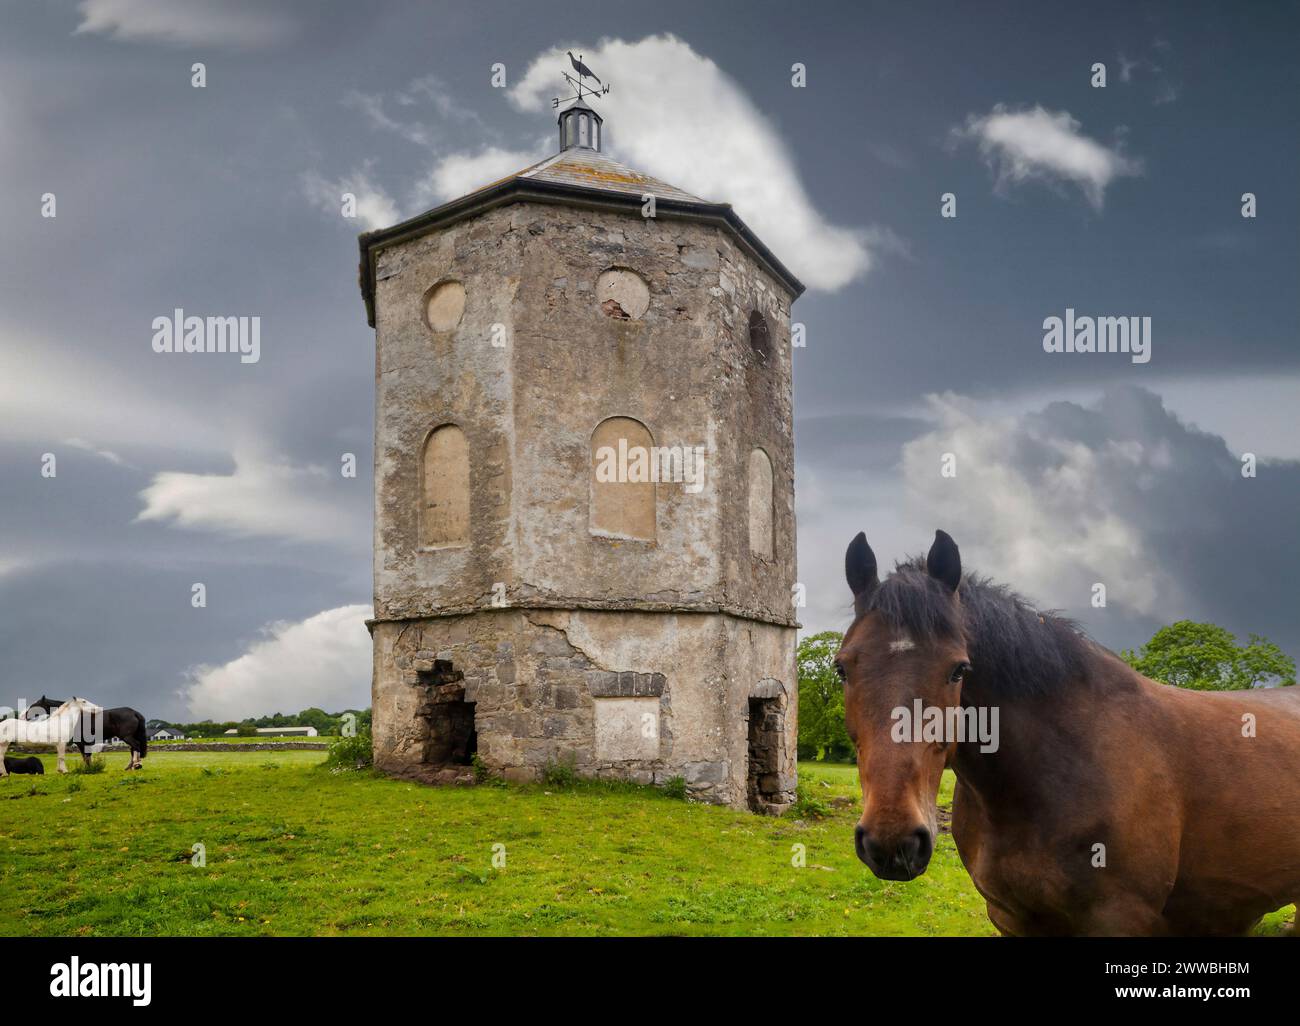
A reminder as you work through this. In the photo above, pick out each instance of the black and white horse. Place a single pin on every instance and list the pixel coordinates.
(98, 725)
(58, 728)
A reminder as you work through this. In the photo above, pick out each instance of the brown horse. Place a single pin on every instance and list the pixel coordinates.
(1099, 802)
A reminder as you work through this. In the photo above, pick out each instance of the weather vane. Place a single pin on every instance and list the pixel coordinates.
(579, 84)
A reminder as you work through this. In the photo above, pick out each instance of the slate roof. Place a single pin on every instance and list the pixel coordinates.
(583, 167)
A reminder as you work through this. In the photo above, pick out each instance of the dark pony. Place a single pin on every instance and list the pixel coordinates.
(123, 722)
(31, 764)
(1089, 799)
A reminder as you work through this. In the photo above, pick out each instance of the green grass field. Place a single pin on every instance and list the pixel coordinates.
(224, 740)
(292, 848)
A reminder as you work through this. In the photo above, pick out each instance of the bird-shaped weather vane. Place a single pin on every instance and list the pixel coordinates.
(579, 84)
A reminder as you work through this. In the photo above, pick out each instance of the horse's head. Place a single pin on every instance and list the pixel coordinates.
(46, 705)
(904, 653)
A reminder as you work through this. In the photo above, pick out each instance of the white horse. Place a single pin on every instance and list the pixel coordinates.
(56, 729)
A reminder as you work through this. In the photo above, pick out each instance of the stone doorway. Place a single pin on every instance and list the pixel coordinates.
(766, 740)
(451, 739)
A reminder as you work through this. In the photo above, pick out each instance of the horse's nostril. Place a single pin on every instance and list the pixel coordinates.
(860, 843)
(878, 854)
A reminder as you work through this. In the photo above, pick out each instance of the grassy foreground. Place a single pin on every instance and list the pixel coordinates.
(294, 849)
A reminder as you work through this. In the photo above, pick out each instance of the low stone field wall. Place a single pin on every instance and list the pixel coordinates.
(192, 746)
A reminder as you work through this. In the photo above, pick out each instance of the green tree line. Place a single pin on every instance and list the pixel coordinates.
(326, 724)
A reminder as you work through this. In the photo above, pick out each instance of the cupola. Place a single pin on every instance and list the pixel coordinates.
(580, 127)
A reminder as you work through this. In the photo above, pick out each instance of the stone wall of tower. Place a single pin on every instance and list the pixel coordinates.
(426, 378)
(537, 678)
(693, 623)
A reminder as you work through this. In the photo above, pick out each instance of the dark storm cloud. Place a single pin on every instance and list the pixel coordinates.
(854, 442)
(1122, 492)
(126, 634)
(1118, 491)
(98, 604)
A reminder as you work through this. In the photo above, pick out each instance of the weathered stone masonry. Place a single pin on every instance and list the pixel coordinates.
(515, 628)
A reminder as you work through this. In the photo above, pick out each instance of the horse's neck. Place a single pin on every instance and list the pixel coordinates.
(1040, 738)
(1049, 736)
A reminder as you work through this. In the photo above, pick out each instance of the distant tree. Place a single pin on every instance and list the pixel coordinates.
(822, 734)
(318, 718)
(1206, 657)
(325, 723)
(246, 729)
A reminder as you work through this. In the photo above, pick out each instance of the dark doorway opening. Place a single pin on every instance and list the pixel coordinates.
(451, 739)
(766, 735)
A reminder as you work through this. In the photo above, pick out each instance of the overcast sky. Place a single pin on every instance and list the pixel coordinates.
(924, 333)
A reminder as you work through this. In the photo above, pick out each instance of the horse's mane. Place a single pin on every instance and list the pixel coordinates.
(1014, 648)
(85, 704)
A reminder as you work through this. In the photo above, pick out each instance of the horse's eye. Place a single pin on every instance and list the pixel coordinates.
(839, 670)
(959, 672)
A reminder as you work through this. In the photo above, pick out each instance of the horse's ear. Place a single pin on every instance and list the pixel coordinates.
(944, 561)
(860, 570)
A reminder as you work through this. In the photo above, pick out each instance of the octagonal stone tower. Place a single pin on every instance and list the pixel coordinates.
(584, 485)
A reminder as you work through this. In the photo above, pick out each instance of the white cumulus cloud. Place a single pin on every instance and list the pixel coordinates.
(721, 148)
(92, 448)
(322, 661)
(1036, 143)
(1037, 505)
(461, 173)
(375, 208)
(259, 498)
(234, 23)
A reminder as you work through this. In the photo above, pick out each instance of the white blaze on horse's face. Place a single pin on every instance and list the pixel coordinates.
(902, 644)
